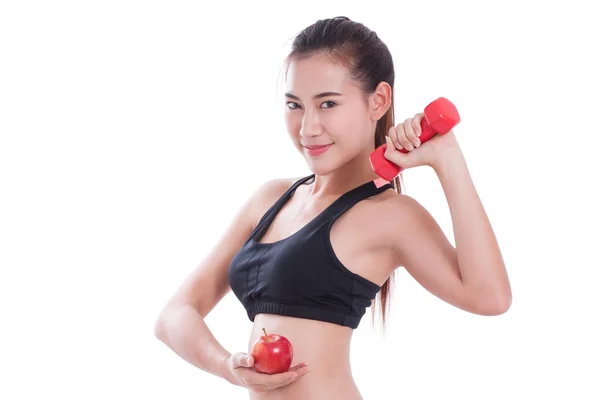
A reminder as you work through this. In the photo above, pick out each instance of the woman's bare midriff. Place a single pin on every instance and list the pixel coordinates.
(323, 346)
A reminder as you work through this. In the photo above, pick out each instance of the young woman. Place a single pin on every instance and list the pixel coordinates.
(306, 256)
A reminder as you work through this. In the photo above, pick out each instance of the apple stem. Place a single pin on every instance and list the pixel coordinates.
(266, 336)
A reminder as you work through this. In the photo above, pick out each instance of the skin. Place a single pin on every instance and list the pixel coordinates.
(400, 232)
(395, 232)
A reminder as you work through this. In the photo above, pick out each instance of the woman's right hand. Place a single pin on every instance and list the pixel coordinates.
(239, 366)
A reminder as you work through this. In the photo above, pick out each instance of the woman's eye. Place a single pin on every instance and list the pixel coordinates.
(293, 106)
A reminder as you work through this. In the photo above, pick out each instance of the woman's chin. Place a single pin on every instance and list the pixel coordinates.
(321, 167)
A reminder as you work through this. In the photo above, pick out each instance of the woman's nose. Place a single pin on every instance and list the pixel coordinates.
(311, 126)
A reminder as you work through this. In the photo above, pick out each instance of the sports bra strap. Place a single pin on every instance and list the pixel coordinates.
(352, 197)
(266, 219)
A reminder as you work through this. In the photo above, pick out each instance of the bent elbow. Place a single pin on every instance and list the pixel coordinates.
(493, 305)
(499, 308)
(160, 329)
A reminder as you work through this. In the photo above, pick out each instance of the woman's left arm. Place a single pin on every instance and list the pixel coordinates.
(472, 275)
(479, 258)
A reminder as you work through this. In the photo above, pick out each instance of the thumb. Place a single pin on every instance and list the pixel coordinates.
(249, 361)
(243, 360)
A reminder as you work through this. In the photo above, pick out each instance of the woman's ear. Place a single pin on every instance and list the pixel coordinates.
(380, 101)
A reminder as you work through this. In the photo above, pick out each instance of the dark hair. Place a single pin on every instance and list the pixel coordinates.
(369, 62)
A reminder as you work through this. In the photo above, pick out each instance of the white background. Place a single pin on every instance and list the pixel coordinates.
(131, 132)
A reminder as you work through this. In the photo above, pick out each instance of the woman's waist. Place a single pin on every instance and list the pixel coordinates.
(316, 385)
(319, 344)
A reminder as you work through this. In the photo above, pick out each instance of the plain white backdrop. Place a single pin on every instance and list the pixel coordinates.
(132, 131)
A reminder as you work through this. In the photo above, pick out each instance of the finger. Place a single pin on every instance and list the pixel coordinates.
(284, 383)
(410, 133)
(416, 124)
(298, 366)
(392, 154)
(287, 382)
(257, 378)
(393, 135)
(301, 372)
(259, 388)
(301, 369)
(403, 139)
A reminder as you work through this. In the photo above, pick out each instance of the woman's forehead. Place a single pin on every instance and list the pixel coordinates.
(309, 77)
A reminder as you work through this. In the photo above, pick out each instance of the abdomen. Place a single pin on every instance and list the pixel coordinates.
(323, 346)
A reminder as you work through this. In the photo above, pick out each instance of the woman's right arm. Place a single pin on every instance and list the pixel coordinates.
(183, 330)
(180, 324)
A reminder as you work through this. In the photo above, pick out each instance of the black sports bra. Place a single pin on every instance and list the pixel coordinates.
(300, 276)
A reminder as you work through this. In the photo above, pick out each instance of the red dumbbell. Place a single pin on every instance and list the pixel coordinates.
(440, 117)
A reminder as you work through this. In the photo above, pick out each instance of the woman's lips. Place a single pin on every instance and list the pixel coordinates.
(317, 150)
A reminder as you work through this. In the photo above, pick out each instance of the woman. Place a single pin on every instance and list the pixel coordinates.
(306, 256)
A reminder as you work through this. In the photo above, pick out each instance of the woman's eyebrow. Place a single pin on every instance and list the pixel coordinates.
(316, 96)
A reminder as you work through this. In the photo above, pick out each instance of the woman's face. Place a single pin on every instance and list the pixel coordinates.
(326, 115)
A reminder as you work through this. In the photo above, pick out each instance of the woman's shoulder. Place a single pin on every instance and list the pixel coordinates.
(386, 213)
(393, 207)
(269, 191)
(272, 189)
(400, 217)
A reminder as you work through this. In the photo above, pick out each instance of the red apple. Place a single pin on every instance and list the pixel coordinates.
(272, 354)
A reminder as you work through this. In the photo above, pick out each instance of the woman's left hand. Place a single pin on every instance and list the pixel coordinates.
(406, 136)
